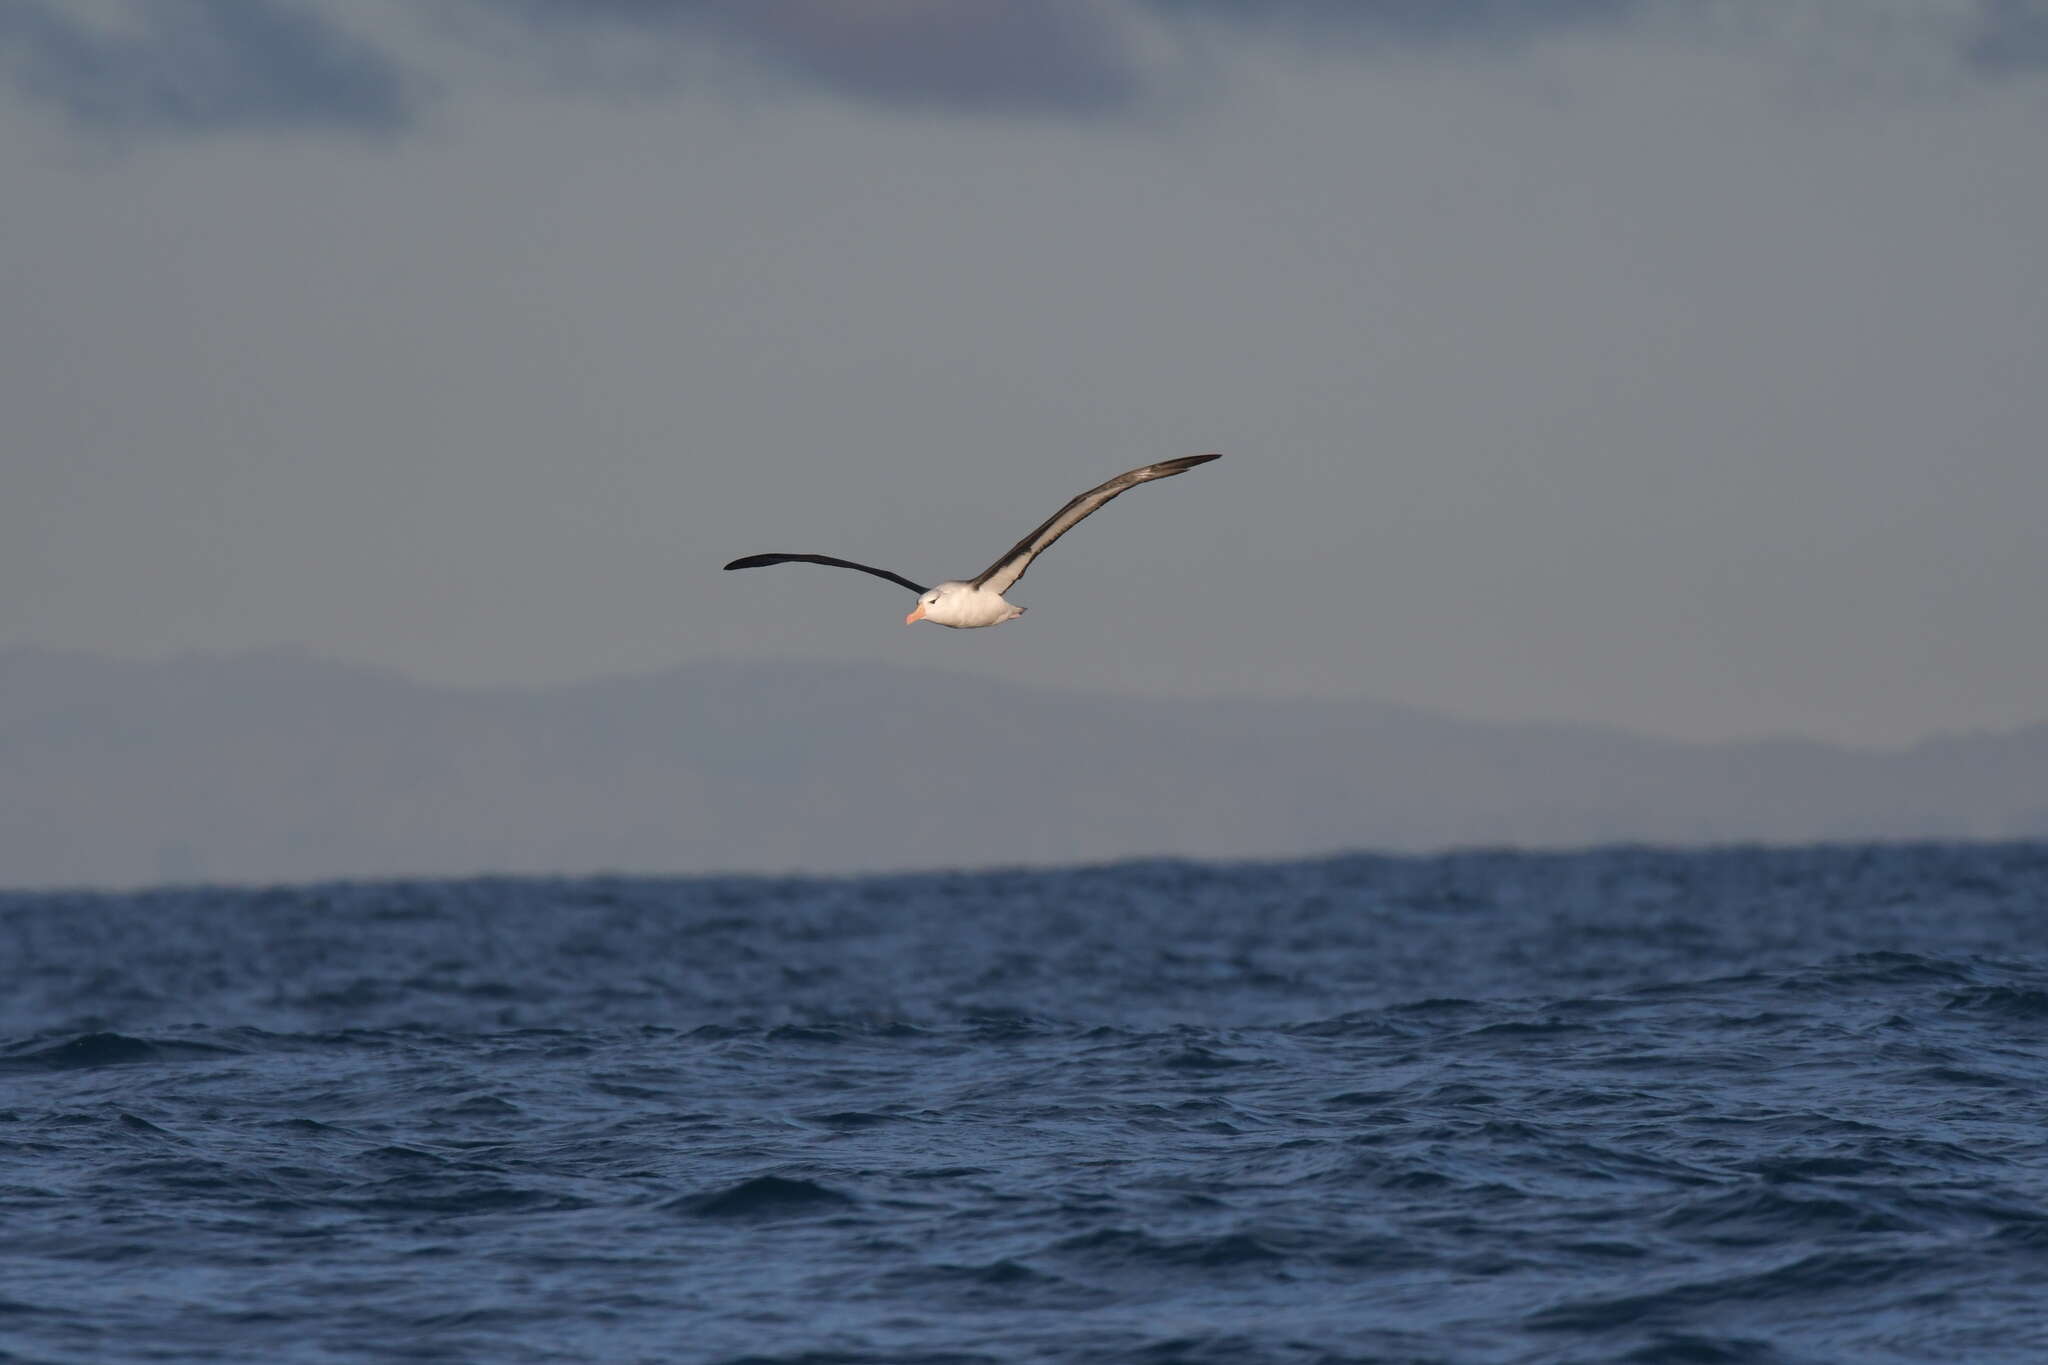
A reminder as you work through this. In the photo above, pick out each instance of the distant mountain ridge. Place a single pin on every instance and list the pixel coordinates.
(281, 766)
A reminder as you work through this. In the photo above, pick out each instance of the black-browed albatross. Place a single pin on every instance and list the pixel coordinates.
(979, 601)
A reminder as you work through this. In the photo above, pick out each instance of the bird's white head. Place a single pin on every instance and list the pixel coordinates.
(926, 604)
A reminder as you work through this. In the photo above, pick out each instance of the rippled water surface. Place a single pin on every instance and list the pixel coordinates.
(1628, 1105)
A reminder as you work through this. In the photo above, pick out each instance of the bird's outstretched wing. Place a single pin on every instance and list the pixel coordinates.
(999, 576)
(756, 561)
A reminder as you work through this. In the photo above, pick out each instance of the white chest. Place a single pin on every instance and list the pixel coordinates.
(967, 607)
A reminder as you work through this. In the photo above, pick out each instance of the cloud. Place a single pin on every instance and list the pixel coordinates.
(1092, 58)
(2010, 36)
(998, 56)
(200, 66)
(1404, 22)
(1006, 56)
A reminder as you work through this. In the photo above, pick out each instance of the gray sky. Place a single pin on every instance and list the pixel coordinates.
(1670, 365)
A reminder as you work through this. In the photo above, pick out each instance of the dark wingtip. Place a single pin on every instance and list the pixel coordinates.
(748, 562)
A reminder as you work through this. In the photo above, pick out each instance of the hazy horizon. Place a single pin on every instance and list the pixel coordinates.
(796, 659)
(279, 766)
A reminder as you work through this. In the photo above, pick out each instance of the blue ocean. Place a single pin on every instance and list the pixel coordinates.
(1740, 1105)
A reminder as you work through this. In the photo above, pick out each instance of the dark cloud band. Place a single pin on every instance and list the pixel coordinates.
(1404, 23)
(1001, 56)
(214, 65)
(2010, 37)
(201, 65)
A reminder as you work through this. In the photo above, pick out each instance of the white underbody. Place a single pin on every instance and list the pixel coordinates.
(965, 607)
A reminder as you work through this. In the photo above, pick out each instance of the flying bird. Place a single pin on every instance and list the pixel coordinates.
(978, 601)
